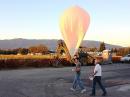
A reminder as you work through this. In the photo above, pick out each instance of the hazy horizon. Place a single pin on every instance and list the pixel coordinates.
(38, 19)
(62, 39)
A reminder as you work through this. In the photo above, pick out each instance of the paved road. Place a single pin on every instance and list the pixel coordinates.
(56, 82)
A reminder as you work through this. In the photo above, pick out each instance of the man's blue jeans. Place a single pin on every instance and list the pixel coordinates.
(77, 81)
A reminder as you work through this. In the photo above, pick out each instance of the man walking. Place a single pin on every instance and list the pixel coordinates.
(77, 80)
(97, 79)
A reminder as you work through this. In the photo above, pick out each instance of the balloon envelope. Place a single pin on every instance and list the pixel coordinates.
(73, 25)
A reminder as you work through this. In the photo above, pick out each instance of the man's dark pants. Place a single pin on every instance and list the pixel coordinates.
(97, 79)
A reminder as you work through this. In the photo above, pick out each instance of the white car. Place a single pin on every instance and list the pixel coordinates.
(126, 58)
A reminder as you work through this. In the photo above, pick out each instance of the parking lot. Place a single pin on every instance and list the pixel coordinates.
(56, 82)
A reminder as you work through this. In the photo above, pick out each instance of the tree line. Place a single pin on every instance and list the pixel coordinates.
(61, 48)
(33, 49)
(118, 51)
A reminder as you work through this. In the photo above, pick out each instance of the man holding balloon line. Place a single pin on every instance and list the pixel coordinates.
(77, 81)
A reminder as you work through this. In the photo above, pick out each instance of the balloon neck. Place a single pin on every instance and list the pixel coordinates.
(73, 52)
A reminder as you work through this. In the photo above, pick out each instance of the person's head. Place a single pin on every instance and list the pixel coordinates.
(76, 59)
(75, 56)
(97, 61)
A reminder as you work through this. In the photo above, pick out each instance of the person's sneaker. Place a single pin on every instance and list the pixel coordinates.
(84, 90)
(104, 94)
(92, 95)
(72, 89)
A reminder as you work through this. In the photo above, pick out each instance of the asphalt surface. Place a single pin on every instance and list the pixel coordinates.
(56, 82)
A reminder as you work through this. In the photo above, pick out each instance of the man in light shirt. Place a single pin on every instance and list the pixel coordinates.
(97, 79)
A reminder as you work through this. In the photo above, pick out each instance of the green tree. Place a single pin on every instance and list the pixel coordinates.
(39, 49)
(61, 49)
(23, 51)
(42, 49)
(102, 46)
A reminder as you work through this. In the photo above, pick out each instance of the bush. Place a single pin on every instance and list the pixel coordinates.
(116, 58)
(25, 63)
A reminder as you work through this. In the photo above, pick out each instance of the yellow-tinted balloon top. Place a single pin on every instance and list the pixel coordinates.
(73, 24)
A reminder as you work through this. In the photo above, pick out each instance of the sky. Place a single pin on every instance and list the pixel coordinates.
(39, 19)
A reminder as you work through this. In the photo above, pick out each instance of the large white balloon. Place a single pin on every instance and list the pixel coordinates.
(73, 24)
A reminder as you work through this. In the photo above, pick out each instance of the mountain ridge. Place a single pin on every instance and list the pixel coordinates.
(50, 43)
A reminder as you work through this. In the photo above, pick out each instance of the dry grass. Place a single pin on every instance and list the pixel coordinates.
(25, 61)
(49, 56)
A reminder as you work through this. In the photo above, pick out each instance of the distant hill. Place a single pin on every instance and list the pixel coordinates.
(50, 43)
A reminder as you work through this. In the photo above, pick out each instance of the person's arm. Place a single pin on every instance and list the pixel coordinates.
(78, 67)
(95, 73)
(96, 70)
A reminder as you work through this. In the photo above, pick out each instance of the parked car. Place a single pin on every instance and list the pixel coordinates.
(126, 58)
